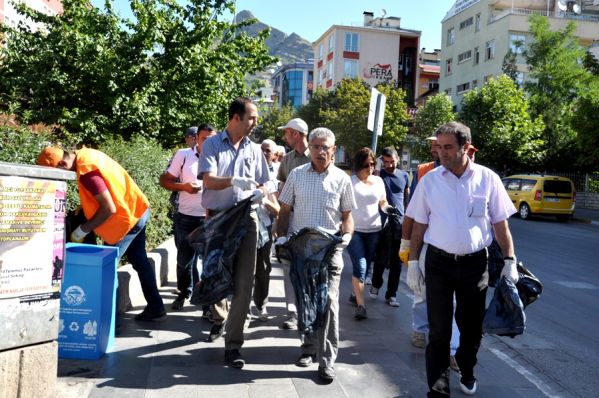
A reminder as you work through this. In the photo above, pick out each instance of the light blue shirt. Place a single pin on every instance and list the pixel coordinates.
(220, 158)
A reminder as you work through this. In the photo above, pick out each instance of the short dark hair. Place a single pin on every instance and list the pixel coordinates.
(390, 151)
(459, 130)
(362, 155)
(239, 107)
(206, 126)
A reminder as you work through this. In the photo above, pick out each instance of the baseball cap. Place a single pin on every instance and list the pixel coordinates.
(191, 131)
(296, 124)
(50, 156)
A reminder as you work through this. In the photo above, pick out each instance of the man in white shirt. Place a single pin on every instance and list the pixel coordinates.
(456, 208)
(182, 177)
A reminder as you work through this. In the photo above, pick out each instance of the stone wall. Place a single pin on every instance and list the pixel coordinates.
(587, 200)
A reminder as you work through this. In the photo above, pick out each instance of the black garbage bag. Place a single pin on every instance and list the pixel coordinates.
(218, 239)
(505, 314)
(529, 286)
(391, 232)
(309, 253)
(495, 261)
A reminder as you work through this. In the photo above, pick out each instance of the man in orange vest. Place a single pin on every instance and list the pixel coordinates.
(115, 209)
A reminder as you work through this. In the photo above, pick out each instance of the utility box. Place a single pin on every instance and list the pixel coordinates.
(87, 305)
(32, 212)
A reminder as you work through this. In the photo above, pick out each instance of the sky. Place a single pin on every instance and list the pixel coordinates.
(311, 18)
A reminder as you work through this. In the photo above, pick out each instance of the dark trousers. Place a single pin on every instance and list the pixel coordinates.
(262, 276)
(468, 278)
(387, 254)
(187, 258)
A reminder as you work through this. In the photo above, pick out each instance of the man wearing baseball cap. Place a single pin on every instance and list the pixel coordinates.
(191, 134)
(296, 137)
(115, 209)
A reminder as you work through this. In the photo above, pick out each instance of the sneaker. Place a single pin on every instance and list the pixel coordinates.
(291, 322)
(442, 384)
(468, 387)
(147, 315)
(305, 360)
(374, 292)
(233, 359)
(360, 313)
(352, 300)
(262, 314)
(326, 373)
(392, 302)
(178, 303)
(216, 331)
(418, 340)
(368, 281)
(453, 364)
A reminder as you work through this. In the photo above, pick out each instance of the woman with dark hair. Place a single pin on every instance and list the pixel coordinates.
(370, 195)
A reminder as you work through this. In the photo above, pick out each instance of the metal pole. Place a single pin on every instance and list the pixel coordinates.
(375, 130)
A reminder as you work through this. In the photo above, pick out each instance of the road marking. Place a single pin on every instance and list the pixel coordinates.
(540, 384)
(577, 285)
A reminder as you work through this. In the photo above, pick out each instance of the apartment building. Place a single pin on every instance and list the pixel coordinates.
(293, 84)
(9, 16)
(476, 36)
(379, 51)
(429, 70)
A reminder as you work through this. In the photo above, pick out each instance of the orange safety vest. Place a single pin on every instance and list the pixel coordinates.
(129, 200)
(424, 168)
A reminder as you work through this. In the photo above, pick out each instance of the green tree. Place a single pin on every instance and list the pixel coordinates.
(437, 111)
(270, 120)
(586, 123)
(395, 127)
(502, 129)
(509, 65)
(93, 74)
(557, 76)
(312, 112)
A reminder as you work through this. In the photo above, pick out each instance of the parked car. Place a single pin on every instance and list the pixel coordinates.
(541, 194)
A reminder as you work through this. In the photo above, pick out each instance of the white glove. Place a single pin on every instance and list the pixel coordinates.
(510, 270)
(78, 235)
(404, 250)
(345, 239)
(415, 279)
(243, 183)
(281, 240)
(257, 196)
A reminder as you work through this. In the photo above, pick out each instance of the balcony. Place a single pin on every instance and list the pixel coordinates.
(499, 14)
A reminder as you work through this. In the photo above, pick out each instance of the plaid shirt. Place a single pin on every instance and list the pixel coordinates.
(318, 198)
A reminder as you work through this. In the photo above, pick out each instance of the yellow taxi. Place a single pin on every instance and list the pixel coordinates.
(541, 194)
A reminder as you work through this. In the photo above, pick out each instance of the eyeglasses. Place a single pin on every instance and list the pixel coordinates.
(319, 148)
(367, 165)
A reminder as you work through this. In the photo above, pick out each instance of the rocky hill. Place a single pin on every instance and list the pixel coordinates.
(289, 48)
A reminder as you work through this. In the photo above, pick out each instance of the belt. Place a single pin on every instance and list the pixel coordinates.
(455, 257)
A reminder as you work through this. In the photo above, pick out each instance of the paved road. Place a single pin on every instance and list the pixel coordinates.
(561, 342)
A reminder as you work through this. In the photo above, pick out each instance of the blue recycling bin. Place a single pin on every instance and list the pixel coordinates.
(88, 300)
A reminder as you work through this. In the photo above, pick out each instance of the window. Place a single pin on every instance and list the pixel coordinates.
(462, 88)
(517, 43)
(476, 56)
(433, 83)
(465, 56)
(490, 50)
(474, 84)
(350, 68)
(477, 23)
(330, 70)
(528, 185)
(513, 184)
(331, 42)
(351, 42)
(320, 52)
(450, 36)
(292, 88)
(465, 23)
(321, 75)
(448, 66)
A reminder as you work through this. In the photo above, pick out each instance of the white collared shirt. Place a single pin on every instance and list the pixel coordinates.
(460, 211)
(184, 166)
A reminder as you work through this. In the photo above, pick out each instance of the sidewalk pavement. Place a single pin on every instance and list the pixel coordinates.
(587, 216)
(171, 357)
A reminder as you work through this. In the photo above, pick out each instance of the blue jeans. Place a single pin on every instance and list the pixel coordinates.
(187, 258)
(134, 245)
(361, 250)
